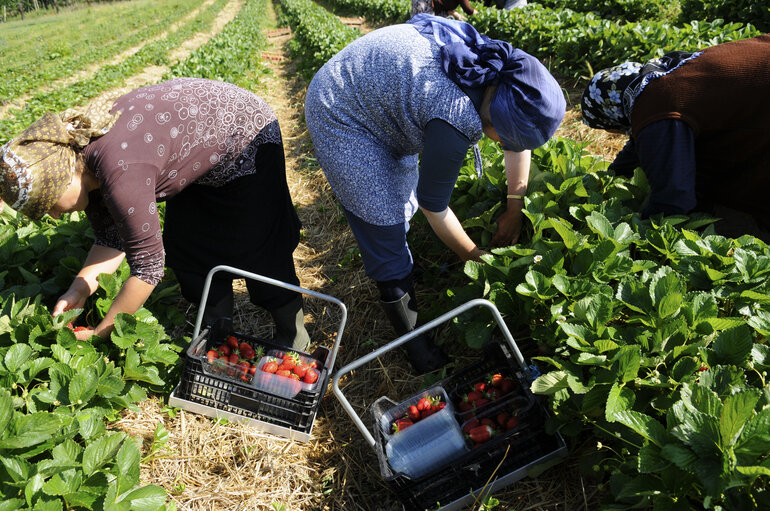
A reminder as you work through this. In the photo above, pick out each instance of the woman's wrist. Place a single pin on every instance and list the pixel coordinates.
(81, 287)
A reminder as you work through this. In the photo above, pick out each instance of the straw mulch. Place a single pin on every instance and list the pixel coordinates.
(214, 465)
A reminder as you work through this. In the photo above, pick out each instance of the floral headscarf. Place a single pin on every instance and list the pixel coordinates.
(609, 98)
(36, 167)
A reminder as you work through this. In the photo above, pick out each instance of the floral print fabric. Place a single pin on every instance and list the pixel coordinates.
(608, 99)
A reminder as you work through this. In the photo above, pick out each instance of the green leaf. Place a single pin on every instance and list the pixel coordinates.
(146, 498)
(620, 399)
(550, 383)
(760, 322)
(64, 483)
(11, 505)
(567, 233)
(669, 304)
(16, 356)
(733, 346)
(650, 460)
(736, 410)
(127, 462)
(628, 360)
(100, 451)
(83, 386)
(644, 425)
(18, 468)
(753, 471)
(679, 455)
(590, 359)
(6, 410)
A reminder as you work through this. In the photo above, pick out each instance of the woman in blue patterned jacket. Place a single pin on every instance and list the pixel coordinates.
(392, 117)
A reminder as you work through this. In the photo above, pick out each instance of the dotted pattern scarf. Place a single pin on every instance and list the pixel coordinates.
(36, 167)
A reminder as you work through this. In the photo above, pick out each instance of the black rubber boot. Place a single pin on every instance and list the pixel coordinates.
(290, 325)
(220, 313)
(421, 351)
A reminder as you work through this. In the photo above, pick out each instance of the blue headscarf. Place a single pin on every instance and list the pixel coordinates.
(528, 105)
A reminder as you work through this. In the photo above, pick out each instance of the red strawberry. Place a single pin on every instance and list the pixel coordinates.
(473, 423)
(311, 376)
(224, 349)
(480, 402)
(270, 367)
(481, 434)
(246, 350)
(495, 379)
(427, 413)
(245, 378)
(233, 358)
(480, 387)
(212, 355)
(512, 423)
(413, 413)
(474, 396)
(294, 376)
(401, 425)
(283, 372)
(300, 369)
(244, 367)
(290, 360)
(79, 328)
(253, 370)
(439, 406)
(423, 404)
(502, 419)
(488, 422)
(232, 341)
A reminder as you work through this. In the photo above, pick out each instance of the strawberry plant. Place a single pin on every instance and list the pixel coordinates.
(318, 34)
(627, 312)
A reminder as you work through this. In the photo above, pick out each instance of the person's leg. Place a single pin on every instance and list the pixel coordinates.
(219, 302)
(188, 252)
(272, 207)
(285, 306)
(388, 261)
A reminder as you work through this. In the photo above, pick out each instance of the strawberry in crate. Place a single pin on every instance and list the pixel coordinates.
(495, 421)
(484, 392)
(235, 359)
(424, 408)
(292, 365)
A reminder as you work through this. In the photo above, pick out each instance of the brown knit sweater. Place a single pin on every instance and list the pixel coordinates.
(724, 96)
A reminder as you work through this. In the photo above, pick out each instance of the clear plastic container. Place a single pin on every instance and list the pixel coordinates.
(429, 443)
(275, 384)
(222, 368)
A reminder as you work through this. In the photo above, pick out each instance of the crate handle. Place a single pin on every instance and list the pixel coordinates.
(268, 280)
(408, 336)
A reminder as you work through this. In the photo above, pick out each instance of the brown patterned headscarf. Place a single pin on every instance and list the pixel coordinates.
(37, 166)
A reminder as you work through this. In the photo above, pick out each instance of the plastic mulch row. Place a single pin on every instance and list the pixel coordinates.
(498, 457)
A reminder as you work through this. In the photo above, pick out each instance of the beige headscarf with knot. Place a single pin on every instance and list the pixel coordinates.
(37, 166)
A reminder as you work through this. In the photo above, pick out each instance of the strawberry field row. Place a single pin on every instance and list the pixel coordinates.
(375, 11)
(318, 34)
(31, 59)
(576, 43)
(113, 75)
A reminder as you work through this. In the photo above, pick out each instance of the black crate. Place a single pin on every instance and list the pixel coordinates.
(222, 393)
(503, 455)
